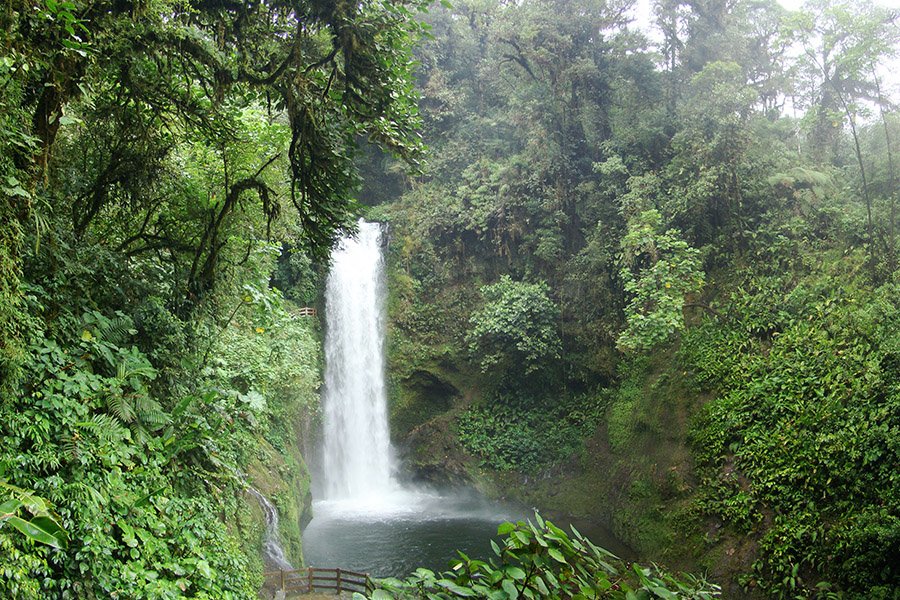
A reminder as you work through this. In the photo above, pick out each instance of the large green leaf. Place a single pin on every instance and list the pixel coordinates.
(505, 528)
(556, 555)
(510, 588)
(9, 507)
(456, 589)
(38, 531)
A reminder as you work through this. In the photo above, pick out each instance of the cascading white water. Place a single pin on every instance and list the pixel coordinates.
(357, 456)
(273, 552)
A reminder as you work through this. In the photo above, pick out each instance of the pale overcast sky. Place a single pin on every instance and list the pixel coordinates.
(643, 10)
(795, 4)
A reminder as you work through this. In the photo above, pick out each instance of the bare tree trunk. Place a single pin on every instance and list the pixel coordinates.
(892, 182)
(870, 227)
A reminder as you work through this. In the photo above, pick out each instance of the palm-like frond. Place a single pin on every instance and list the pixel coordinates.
(116, 331)
(121, 406)
(140, 434)
(107, 428)
(129, 401)
(149, 412)
(70, 448)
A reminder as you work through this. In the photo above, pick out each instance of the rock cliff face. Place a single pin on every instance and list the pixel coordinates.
(629, 488)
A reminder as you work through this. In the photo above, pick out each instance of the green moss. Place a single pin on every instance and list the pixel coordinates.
(620, 427)
(247, 523)
(634, 474)
(421, 395)
(12, 316)
(278, 469)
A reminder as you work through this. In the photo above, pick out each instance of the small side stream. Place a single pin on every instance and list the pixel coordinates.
(273, 552)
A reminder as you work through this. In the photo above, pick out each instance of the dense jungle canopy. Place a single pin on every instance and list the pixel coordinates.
(645, 273)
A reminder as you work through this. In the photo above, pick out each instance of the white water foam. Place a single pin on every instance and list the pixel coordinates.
(410, 504)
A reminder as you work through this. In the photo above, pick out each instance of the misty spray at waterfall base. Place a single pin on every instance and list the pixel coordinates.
(363, 518)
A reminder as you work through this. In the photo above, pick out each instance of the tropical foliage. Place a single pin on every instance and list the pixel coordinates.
(803, 437)
(663, 236)
(661, 269)
(539, 560)
(514, 333)
(156, 159)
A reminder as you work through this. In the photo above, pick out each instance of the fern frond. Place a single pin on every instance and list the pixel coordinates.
(140, 434)
(108, 429)
(133, 369)
(70, 448)
(121, 407)
(149, 412)
(117, 331)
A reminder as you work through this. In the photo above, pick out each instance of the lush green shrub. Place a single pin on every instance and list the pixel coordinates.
(658, 270)
(539, 560)
(515, 333)
(512, 433)
(122, 471)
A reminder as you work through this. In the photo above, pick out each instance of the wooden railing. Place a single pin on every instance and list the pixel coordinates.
(306, 311)
(312, 579)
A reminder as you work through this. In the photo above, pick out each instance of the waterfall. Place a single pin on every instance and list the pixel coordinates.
(357, 453)
(273, 552)
(364, 519)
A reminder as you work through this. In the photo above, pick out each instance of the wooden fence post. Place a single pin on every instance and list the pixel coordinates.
(338, 581)
(282, 580)
(309, 582)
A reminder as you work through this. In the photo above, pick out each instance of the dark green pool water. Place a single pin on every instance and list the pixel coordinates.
(393, 535)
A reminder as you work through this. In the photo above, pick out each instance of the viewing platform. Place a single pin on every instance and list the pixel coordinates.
(309, 580)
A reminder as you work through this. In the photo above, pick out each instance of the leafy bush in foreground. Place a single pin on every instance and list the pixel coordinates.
(542, 561)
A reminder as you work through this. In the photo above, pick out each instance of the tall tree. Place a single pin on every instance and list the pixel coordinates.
(148, 78)
(843, 44)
